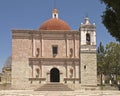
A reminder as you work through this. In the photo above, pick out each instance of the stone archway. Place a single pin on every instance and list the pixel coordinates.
(54, 75)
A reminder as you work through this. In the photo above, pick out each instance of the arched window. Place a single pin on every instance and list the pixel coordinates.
(88, 39)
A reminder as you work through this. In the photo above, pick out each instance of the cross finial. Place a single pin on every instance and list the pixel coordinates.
(54, 3)
(55, 11)
(87, 15)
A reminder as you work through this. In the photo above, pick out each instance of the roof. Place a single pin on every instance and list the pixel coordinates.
(54, 24)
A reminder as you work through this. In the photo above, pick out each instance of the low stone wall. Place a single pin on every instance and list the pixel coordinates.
(58, 93)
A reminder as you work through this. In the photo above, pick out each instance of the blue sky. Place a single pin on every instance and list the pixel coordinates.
(29, 14)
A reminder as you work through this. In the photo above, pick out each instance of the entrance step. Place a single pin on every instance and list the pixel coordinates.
(54, 87)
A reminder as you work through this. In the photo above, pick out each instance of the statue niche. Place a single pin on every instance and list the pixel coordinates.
(37, 73)
(37, 52)
(71, 72)
(71, 52)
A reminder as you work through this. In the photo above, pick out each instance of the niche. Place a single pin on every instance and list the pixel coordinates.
(71, 72)
(37, 52)
(37, 73)
(71, 52)
(84, 66)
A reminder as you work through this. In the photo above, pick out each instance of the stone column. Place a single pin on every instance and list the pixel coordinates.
(33, 47)
(74, 43)
(32, 68)
(41, 45)
(66, 44)
(40, 66)
(48, 77)
(66, 69)
(74, 69)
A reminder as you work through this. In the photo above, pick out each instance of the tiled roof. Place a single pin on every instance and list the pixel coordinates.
(54, 24)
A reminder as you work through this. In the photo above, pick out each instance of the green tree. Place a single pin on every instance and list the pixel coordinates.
(111, 17)
(108, 60)
(100, 61)
(113, 58)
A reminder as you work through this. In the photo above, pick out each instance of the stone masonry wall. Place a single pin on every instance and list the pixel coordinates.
(88, 69)
(21, 51)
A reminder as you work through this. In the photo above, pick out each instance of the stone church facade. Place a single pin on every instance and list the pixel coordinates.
(54, 53)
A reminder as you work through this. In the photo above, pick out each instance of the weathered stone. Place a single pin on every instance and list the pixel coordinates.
(45, 56)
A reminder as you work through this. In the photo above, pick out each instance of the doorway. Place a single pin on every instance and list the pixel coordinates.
(54, 75)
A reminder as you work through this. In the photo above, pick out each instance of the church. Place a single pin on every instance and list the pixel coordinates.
(54, 53)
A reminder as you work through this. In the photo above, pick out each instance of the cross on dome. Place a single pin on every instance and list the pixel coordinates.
(55, 11)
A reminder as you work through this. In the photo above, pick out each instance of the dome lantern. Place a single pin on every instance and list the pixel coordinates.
(54, 13)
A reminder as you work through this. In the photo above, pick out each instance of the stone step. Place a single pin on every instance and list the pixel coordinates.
(54, 87)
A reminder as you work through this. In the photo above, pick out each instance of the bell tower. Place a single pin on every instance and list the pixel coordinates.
(88, 33)
(88, 53)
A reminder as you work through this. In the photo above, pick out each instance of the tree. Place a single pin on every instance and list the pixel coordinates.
(111, 17)
(109, 60)
(100, 61)
(113, 58)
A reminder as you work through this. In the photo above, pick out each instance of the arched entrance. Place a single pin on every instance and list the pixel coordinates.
(54, 75)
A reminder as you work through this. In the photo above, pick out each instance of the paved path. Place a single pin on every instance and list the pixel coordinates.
(58, 93)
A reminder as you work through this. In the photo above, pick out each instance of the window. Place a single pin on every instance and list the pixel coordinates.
(55, 50)
(88, 39)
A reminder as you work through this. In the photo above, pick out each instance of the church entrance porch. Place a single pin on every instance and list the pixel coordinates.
(54, 75)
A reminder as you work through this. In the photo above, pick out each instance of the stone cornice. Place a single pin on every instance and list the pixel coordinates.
(31, 79)
(46, 31)
(45, 34)
(88, 46)
(54, 59)
(88, 51)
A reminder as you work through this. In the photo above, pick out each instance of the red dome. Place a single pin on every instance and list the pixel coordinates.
(54, 24)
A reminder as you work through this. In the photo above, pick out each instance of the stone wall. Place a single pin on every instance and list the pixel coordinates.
(21, 51)
(24, 47)
(5, 76)
(63, 65)
(88, 68)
